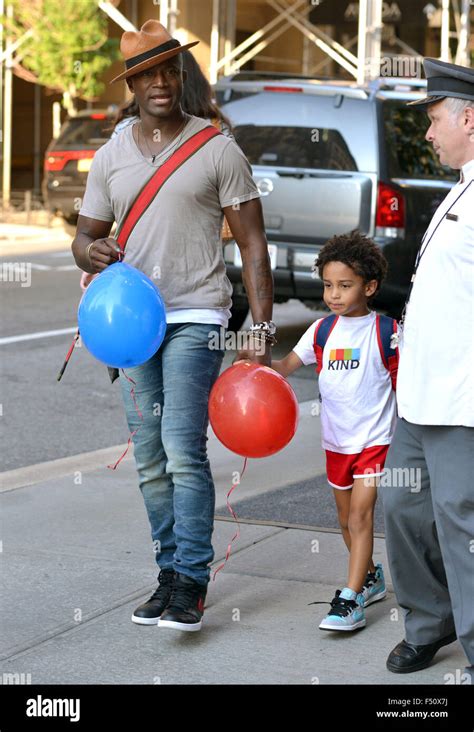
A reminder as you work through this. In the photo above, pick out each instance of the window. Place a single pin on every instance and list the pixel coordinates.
(83, 131)
(409, 155)
(295, 147)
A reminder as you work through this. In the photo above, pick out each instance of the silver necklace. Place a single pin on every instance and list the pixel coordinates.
(167, 147)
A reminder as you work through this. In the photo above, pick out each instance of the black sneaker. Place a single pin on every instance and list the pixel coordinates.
(149, 613)
(186, 606)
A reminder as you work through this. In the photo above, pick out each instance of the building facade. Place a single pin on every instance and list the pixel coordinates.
(310, 37)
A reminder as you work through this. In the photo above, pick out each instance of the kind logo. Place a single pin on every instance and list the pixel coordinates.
(344, 358)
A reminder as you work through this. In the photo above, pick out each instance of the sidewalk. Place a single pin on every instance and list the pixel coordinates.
(77, 560)
(20, 239)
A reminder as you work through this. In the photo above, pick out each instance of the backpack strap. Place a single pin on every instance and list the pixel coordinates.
(153, 186)
(386, 327)
(321, 334)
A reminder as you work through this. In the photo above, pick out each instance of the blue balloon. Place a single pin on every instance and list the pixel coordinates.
(121, 316)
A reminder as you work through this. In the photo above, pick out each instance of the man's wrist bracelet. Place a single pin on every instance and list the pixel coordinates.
(265, 331)
(267, 326)
(88, 251)
(262, 336)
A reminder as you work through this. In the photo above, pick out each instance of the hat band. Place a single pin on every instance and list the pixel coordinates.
(444, 85)
(131, 62)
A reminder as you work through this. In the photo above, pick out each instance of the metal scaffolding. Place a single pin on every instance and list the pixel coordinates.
(363, 66)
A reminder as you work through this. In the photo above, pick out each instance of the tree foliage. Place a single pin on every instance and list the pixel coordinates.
(69, 48)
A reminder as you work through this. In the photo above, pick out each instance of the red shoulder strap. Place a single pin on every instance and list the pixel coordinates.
(321, 334)
(155, 183)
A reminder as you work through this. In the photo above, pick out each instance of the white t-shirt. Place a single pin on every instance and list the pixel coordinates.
(358, 407)
(436, 373)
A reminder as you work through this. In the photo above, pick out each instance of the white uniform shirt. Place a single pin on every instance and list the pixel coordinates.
(435, 375)
(358, 406)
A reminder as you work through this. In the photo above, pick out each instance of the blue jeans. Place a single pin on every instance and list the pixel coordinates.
(172, 392)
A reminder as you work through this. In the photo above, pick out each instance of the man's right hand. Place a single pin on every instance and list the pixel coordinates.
(102, 253)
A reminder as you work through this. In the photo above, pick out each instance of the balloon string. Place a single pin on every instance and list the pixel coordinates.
(121, 253)
(137, 409)
(234, 516)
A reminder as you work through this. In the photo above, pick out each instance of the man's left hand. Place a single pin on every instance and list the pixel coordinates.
(257, 351)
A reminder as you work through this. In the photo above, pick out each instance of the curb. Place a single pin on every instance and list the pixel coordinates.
(12, 480)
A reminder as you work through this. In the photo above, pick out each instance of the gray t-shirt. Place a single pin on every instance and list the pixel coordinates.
(177, 242)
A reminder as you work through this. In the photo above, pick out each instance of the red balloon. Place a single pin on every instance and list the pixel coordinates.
(253, 410)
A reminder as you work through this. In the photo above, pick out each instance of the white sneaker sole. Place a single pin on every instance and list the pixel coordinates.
(144, 621)
(189, 627)
(375, 598)
(355, 626)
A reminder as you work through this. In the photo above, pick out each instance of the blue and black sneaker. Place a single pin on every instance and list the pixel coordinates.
(347, 612)
(374, 586)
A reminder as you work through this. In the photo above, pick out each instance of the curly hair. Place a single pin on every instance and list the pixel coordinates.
(358, 252)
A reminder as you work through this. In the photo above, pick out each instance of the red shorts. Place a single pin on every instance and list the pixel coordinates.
(342, 469)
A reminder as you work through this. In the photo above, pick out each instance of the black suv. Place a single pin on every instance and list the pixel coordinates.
(329, 156)
(68, 160)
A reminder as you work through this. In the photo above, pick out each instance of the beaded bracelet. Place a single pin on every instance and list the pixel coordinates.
(262, 335)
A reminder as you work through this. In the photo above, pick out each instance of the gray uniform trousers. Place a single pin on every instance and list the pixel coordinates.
(429, 525)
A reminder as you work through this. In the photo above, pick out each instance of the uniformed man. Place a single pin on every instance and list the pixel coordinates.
(430, 519)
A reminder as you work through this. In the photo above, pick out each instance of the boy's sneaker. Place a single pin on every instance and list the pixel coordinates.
(347, 612)
(374, 586)
(186, 605)
(149, 613)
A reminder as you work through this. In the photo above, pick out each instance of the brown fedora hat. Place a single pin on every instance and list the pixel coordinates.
(149, 46)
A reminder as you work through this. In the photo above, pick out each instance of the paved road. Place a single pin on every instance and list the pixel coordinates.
(44, 420)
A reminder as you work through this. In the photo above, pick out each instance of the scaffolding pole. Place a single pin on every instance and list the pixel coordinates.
(445, 53)
(214, 41)
(370, 40)
(7, 118)
(172, 16)
(2, 10)
(37, 167)
(462, 53)
(164, 9)
(229, 41)
(116, 15)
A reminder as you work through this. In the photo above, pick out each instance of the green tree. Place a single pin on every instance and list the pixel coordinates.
(69, 47)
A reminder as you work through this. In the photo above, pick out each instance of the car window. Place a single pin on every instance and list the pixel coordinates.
(83, 131)
(409, 155)
(290, 147)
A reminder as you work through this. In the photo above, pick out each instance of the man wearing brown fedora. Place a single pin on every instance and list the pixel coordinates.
(167, 180)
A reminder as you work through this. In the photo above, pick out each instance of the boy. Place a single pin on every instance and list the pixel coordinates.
(357, 377)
